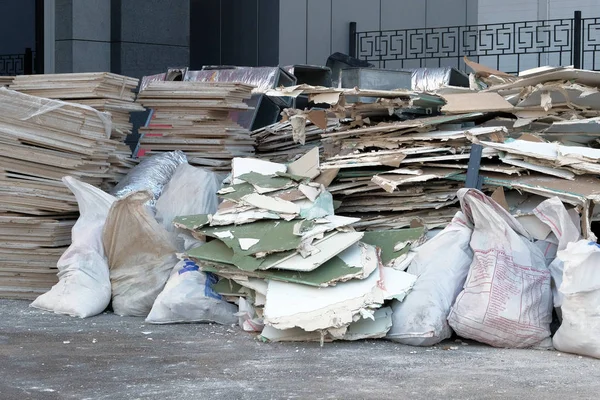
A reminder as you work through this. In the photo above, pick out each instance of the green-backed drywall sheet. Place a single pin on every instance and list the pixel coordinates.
(241, 190)
(216, 257)
(227, 287)
(332, 271)
(191, 222)
(273, 236)
(266, 181)
(218, 252)
(387, 240)
(293, 177)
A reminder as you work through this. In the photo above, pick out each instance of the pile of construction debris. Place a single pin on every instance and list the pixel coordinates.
(333, 231)
(401, 155)
(295, 267)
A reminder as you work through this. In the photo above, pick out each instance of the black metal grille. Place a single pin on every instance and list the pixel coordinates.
(512, 44)
(12, 64)
(17, 64)
(590, 53)
(509, 47)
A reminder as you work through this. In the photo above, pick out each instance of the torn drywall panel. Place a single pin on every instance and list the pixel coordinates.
(292, 305)
(307, 165)
(388, 239)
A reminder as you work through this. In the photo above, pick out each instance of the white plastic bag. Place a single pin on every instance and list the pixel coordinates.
(188, 297)
(442, 265)
(190, 191)
(248, 319)
(141, 255)
(83, 289)
(507, 299)
(553, 213)
(579, 332)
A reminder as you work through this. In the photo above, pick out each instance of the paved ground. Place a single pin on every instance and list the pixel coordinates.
(46, 356)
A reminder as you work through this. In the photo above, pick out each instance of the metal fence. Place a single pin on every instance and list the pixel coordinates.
(509, 47)
(17, 64)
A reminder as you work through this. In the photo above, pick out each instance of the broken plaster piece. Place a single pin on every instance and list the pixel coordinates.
(321, 207)
(246, 243)
(310, 192)
(241, 166)
(224, 235)
(271, 204)
(306, 166)
(292, 305)
(298, 123)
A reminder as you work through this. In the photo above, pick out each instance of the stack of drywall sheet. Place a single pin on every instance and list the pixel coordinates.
(29, 249)
(409, 163)
(42, 140)
(6, 80)
(194, 117)
(285, 257)
(92, 85)
(280, 143)
(119, 110)
(392, 155)
(103, 91)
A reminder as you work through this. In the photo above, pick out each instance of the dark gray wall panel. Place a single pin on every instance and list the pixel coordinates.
(89, 56)
(239, 32)
(91, 20)
(64, 19)
(205, 33)
(366, 14)
(17, 30)
(292, 32)
(446, 13)
(399, 15)
(156, 21)
(268, 32)
(63, 56)
(139, 59)
(318, 32)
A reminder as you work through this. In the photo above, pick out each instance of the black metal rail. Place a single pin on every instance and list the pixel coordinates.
(509, 47)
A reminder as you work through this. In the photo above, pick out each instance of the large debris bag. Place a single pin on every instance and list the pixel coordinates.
(581, 302)
(507, 298)
(442, 265)
(553, 213)
(141, 255)
(190, 191)
(152, 174)
(188, 297)
(83, 289)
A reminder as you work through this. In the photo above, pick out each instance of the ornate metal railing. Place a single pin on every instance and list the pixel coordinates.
(590, 50)
(509, 47)
(17, 64)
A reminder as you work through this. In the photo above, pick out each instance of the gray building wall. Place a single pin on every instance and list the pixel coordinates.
(150, 35)
(142, 37)
(310, 30)
(234, 32)
(130, 37)
(82, 36)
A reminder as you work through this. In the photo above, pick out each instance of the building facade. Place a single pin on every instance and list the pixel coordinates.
(142, 37)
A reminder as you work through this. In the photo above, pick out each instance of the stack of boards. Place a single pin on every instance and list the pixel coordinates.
(102, 91)
(29, 249)
(6, 80)
(194, 117)
(42, 140)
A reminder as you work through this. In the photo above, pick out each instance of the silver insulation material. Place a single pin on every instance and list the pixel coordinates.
(152, 174)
